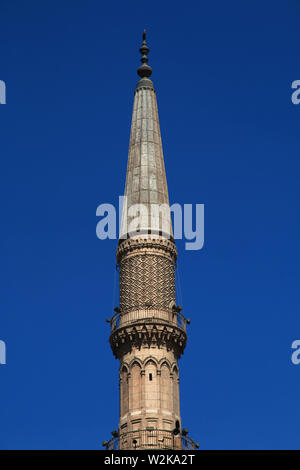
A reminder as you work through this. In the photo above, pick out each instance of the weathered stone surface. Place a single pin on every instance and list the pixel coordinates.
(146, 181)
(149, 400)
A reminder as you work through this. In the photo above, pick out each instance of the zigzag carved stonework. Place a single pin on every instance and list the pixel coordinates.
(147, 273)
(160, 335)
(146, 280)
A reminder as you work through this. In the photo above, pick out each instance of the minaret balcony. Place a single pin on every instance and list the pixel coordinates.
(171, 317)
(148, 326)
(146, 439)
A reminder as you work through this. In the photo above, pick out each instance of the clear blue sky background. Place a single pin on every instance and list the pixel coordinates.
(223, 74)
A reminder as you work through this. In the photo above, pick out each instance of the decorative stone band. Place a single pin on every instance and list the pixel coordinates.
(158, 245)
(153, 334)
(144, 83)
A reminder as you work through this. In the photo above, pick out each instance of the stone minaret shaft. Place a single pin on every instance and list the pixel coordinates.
(148, 331)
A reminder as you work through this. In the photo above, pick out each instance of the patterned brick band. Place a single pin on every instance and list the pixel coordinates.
(146, 280)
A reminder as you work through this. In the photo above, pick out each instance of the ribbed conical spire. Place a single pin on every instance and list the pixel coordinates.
(146, 178)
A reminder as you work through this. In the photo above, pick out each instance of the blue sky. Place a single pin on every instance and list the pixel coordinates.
(223, 74)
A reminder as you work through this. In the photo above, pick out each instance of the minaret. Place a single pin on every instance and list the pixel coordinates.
(148, 331)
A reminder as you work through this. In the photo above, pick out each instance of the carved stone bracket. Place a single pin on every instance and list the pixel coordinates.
(123, 340)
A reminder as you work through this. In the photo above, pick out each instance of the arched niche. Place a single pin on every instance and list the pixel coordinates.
(175, 378)
(166, 385)
(151, 385)
(124, 390)
(135, 386)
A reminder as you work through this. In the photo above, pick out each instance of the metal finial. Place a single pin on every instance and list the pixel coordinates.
(144, 70)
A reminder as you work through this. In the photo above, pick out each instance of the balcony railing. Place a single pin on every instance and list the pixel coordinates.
(150, 439)
(176, 318)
